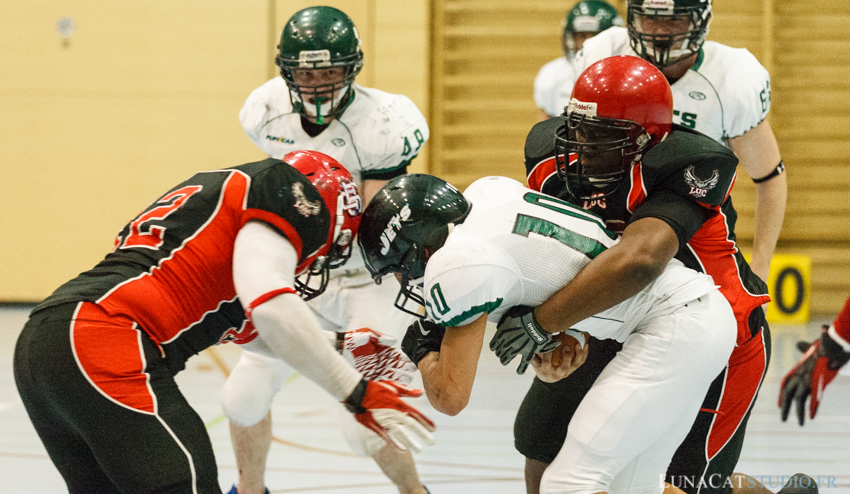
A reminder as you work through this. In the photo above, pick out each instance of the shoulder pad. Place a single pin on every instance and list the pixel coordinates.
(540, 142)
(692, 165)
(464, 279)
(389, 134)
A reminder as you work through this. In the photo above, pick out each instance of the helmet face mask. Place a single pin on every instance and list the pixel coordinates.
(620, 107)
(319, 57)
(594, 155)
(665, 31)
(340, 196)
(404, 224)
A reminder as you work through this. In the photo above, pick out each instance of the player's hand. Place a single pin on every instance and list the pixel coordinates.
(374, 356)
(561, 362)
(378, 406)
(422, 337)
(519, 334)
(810, 376)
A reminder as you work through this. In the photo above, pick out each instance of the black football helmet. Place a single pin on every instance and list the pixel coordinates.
(664, 47)
(403, 225)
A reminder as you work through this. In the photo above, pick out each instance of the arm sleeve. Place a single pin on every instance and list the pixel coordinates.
(684, 216)
(464, 282)
(841, 327)
(264, 263)
(252, 116)
(750, 93)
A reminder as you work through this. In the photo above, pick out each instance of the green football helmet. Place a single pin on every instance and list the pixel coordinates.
(403, 225)
(587, 18)
(316, 39)
(666, 49)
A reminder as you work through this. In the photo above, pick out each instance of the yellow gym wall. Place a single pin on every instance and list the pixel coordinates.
(143, 94)
(139, 97)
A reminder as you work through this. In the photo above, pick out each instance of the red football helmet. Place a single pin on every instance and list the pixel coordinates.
(620, 107)
(339, 193)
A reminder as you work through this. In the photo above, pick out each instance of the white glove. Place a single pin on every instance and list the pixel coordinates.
(378, 407)
(373, 355)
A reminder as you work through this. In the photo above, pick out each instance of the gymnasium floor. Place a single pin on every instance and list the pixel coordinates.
(474, 452)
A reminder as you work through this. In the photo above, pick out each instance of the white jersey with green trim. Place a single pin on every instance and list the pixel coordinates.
(518, 247)
(553, 85)
(725, 94)
(378, 133)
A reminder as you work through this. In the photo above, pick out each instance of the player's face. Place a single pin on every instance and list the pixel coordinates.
(662, 25)
(599, 162)
(318, 87)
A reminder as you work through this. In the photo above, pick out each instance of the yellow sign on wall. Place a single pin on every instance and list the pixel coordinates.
(789, 285)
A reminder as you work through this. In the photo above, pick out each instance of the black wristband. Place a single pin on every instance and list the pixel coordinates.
(354, 402)
(340, 342)
(835, 354)
(779, 170)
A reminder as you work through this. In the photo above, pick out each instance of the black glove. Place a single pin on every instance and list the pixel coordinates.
(810, 376)
(519, 334)
(422, 337)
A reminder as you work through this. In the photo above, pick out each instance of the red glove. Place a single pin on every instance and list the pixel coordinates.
(377, 405)
(373, 355)
(810, 376)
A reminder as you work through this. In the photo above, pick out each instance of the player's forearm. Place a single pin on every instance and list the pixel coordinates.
(771, 198)
(290, 329)
(620, 272)
(604, 283)
(444, 392)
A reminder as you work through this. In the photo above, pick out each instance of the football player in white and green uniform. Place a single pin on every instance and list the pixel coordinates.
(316, 105)
(476, 256)
(720, 91)
(554, 81)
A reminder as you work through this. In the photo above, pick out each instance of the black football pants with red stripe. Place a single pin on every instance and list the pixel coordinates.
(109, 414)
(706, 459)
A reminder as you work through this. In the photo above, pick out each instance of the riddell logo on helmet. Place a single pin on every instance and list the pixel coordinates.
(312, 58)
(390, 231)
(582, 108)
(659, 4)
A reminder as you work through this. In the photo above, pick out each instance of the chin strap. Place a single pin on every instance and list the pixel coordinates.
(779, 170)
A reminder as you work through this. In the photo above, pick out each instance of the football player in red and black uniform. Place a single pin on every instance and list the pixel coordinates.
(666, 189)
(213, 260)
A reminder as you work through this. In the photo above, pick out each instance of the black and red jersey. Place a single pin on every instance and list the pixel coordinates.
(686, 181)
(171, 270)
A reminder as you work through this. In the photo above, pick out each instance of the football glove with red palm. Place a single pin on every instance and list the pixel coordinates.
(373, 355)
(813, 372)
(378, 406)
